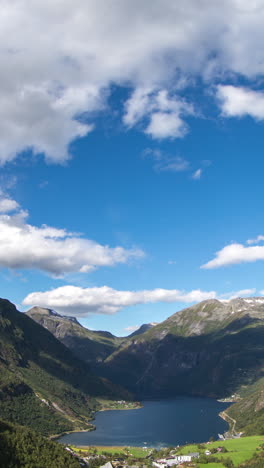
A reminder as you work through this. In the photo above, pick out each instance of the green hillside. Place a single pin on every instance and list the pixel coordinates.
(42, 384)
(21, 447)
(249, 410)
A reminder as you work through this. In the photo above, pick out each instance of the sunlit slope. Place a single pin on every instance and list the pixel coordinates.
(211, 348)
(249, 410)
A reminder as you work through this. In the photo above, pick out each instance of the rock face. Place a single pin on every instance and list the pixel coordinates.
(90, 346)
(211, 348)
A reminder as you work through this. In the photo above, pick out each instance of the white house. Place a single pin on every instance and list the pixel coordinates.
(107, 465)
(172, 461)
(183, 458)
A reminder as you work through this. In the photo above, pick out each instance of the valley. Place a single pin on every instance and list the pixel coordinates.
(210, 350)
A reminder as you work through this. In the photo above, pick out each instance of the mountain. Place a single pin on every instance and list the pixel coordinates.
(89, 345)
(20, 446)
(212, 349)
(145, 327)
(42, 384)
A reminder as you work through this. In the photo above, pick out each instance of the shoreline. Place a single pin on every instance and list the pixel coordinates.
(138, 405)
(57, 436)
(119, 409)
(227, 419)
(92, 426)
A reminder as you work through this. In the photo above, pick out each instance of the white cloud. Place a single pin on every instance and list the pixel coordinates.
(239, 102)
(166, 125)
(7, 205)
(234, 294)
(78, 301)
(59, 60)
(257, 240)
(234, 254)
(140, 104)
(56, 251)
(197, 174)
(163, 113)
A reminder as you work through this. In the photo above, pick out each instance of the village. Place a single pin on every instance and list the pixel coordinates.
(164, 458)
(145, 457)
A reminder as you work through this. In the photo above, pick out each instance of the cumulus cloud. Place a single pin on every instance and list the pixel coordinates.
(53, 250)
(162, 112)
(59, 66)
(234, 254)
(7, 205)
(239, 102)
(140, 104)
(81, 302)
(166, 125)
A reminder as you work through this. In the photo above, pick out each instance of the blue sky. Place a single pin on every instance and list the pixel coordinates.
(131, 152)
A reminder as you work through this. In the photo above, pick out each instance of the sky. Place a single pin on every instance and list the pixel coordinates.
(131, 156)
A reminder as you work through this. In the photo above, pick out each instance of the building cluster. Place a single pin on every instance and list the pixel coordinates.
(175, 460)
(171, 460)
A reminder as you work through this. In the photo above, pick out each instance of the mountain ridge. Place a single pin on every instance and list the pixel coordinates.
(195, 351)
(89, 345)
(213, 348)
(42, 384)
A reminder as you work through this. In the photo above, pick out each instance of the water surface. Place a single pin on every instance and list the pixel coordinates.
(158, 424)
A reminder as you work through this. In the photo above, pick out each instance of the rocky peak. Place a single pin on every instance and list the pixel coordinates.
(50, 313)
(42, 311)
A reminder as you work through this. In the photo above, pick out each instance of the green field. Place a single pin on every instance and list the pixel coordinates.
(211, 465)
(136, 452)
(239, 450)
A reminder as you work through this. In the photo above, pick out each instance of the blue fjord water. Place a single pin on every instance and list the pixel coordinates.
(158, 424)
